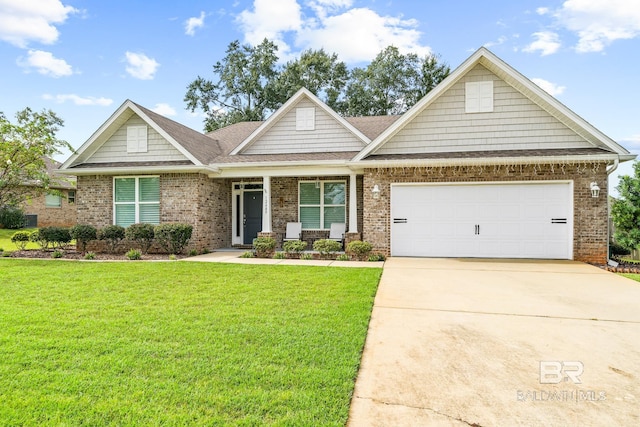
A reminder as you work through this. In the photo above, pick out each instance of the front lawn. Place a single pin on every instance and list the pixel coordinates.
(8, 245)
(632, 276)
(180, 343)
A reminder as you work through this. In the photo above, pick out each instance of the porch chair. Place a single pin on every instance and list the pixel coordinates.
(336, 232)
(294, 231)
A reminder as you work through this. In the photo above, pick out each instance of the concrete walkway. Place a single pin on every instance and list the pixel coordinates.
(463, 342)
(234, 257)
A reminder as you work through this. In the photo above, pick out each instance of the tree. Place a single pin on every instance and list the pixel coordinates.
(243, 90)
(25, 147)
(322, 74)
(392, 83)
(625, 210)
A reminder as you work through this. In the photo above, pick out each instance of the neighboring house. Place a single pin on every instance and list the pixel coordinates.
(55, 208)
(486, 165)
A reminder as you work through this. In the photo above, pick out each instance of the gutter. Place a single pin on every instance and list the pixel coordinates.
(138, 169)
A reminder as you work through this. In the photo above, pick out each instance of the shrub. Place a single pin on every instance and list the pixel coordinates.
(342, 257)
(193, 252)
(39, 239)
(306, 256)
(57, 254)
(205, 251)
(142, 234)
(294, 246)
(20, 238)
(90, 255)
(172, 257)
(58, 237)
(134, 254)
(615, 249)
(173, 237)
(83, 233)
(264, 246)
(112, 234)
(377, 257)
(280, 255)
(12, 218)
(358, 249)
(247, 254)
(326, 247)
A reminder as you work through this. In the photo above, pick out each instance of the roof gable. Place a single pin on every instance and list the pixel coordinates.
(572, 130)
(278, 134)
(169, 134)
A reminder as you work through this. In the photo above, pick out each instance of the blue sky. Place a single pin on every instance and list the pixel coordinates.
(83, 58)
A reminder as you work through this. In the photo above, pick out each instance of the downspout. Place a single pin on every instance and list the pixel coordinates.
(610, 170)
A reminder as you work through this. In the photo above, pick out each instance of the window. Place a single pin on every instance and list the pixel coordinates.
(479, 97)
(52, 200)
(71, 196)
(305, 118)
(136, 139)
(322, 203)
(135, 200)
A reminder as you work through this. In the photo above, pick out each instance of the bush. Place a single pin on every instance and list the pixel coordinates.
(58, 237)
(57, 254)
(306, 256)
(134, 254)
(21, 238)
(112, 234)
(83, 233)
(90, 255)
(193, 252)
(294, 246)
(173, 237)
(377, 257)
(247, 254)
(142, 234)
(12, 218)
(326, 247)
(342, 257)
(359, 250)
(37, 238)
(615, 249)
(264, 246)
(279, 255)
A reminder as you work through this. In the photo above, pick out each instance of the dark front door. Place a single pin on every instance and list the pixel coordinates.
(252, 214)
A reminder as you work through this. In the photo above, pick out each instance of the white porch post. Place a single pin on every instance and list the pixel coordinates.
(266, 204)
(353, 204)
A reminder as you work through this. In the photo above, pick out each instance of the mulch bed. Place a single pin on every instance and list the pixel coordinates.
(70, 253)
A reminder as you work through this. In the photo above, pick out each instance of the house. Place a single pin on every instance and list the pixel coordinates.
(485, 165)
(55, 208)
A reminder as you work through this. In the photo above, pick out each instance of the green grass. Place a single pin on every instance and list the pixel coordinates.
(180, 343)
(8, 245)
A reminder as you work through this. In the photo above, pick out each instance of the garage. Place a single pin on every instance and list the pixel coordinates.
(483, 220)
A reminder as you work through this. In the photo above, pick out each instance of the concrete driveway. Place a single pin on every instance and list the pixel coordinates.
(459, 342)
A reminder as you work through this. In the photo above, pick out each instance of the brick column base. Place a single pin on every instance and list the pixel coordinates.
(350, 237)
(267, 234)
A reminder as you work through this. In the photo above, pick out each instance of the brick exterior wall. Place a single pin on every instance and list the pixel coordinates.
(590, 214)
(190, 198)
(63, 216)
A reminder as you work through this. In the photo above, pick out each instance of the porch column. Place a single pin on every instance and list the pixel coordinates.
(353, 204)
(266, 204)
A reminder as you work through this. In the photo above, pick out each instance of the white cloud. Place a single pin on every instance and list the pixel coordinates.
(547, 42)
(78, 100)
(542, 10)
(141, 66)
(355, 34)
(631, 143)
(22, 21)
(552, 89)
(192, 23)
(45, 63)
(164, 109)
(501, 40)
(598, 23)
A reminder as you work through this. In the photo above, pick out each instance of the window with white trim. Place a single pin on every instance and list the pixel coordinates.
(71, 196)
(321, 203)
(479, 97)
(137, 139)
(135, 200)
(305, 118)
(53, 200)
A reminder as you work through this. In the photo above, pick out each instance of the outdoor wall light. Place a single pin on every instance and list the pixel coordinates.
(376, 191)
(595, 190)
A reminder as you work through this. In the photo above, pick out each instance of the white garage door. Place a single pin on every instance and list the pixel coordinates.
(523, 220)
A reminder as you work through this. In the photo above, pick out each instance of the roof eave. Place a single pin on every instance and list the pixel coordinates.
(139, 170)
